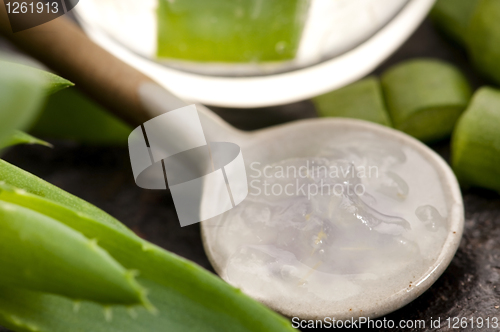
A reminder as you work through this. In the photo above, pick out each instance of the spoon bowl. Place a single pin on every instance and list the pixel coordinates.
(303, 139)
(299, 139)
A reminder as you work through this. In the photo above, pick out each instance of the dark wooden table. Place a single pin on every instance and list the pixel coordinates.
(470, 287)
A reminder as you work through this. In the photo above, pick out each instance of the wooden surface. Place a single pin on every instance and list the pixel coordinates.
(470, 287)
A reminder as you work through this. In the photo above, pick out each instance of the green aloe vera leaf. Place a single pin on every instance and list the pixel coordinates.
(425, 97)
(230, 31)
(206, 302)
(476, 141)
(19, 178)
(27, 311)
(21, 96)
(20, 137)
(483, 39)
(453, 17)
(41, 254)
(361, 100)
(54, 83)
(51, 82)
(71, 115)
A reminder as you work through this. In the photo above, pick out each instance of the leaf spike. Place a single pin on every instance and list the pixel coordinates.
(108, 314)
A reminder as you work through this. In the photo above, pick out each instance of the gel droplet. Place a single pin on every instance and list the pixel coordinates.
(430, 216)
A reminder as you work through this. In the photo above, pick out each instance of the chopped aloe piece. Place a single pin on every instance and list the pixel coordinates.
(425, 97)
(476, 141)
(453, 17)
(230, 31)
(39, 253)
(71, 115)
(361, 100)
(483, 38)
(19, 137)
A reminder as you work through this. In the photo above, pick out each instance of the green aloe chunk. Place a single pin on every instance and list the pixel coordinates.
(187, 297)
(19, 137)
(476, 141)
(230, 31)
(361, 100)
(483, 38)
(425, 97)
(71, 115)
(453, 17)
(39, 253)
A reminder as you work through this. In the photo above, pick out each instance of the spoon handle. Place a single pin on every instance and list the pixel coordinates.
(62, 46)
(129, 94)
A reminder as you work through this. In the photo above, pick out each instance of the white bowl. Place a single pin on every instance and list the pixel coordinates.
(258, 91)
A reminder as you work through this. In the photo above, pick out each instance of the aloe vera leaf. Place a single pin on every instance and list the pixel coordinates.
(483, 38)
(21, 96)
(29, 311)
(475, 144)
(19, 178)
(71, 115)
(425, 97)
(54, 83)
(230, 31)
(361, 100)
(453, 17)
(51, 83)
(197, 291)
(39, 253)
(20, 137)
